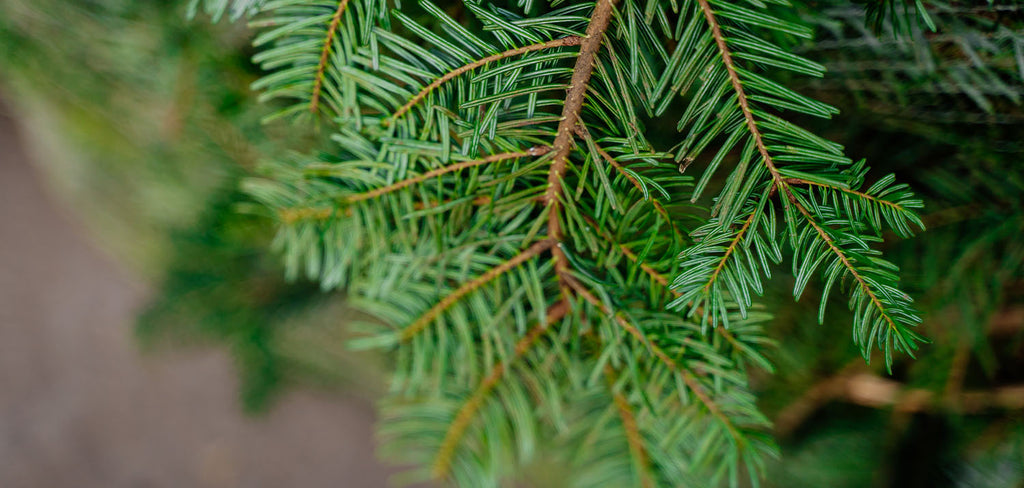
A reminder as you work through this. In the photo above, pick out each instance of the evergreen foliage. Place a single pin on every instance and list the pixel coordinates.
(595, 391)
(967, 68)
(494, 200)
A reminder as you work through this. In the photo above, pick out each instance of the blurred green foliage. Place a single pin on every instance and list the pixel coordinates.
(145, 122)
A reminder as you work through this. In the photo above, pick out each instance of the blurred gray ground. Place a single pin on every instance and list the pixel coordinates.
(80, 406)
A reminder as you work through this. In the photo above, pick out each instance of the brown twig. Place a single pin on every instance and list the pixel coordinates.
(869, 390)
(567, 128)
(324, 54)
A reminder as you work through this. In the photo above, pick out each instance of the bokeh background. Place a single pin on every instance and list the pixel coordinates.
(148, 337)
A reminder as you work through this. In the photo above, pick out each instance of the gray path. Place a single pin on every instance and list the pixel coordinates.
(80, 407)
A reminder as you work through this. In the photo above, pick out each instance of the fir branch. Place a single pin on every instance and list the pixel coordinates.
(737, 86)
(728, 252)
(687, 376)
(904, 340)
(844, 259)
(880, 201)
(293, 215)
(459, 164)
(636, 184)
(662, 280)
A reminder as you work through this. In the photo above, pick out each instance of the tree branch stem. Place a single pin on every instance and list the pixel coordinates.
(567, 128)
(325, 52)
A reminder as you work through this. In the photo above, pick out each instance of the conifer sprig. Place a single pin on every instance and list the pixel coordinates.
(494, 201)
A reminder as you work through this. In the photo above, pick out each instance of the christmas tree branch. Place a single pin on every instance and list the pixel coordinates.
(567, 128)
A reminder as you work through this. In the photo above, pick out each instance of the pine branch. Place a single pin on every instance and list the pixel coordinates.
(533, 151)
(737, 86)
(687, 376)
(745, 197)
(636, 184)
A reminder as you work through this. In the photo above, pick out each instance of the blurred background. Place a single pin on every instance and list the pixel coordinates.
(148, 338)
(123, 132)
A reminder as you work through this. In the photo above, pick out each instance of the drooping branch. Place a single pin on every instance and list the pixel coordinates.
(451, 299)
(562, 42)
(325, 53)
(780, 183)
(861, 282)
(462, 420)
(687, 376)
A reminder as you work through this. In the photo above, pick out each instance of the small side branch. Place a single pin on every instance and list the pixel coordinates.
(658, 278)
(325, 53)
(296, 214)
(457, 429)
(451, 299)
(634, 438)
(636, 184)
(737, 85)
(687, 376)
(534, 151)
(728, 251)
(798, 181)
(562, 42)
(861, 282)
